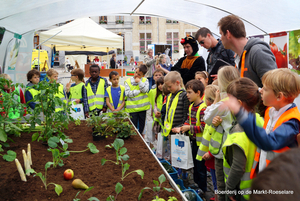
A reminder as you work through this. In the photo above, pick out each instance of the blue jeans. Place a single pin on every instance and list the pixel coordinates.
(151, 82)
(213, 178)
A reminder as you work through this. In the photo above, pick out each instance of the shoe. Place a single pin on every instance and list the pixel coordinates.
(194, 186)
(212, 199)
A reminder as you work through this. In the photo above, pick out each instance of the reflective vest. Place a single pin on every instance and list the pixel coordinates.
(61, 96)
(76, 92)
(204, 146)
(216, 142)
(108, 89)
(243, 69)
(198, 122)
(96, 101)
(292, 113)
(159, 104)
(170, 112)
(137, 103)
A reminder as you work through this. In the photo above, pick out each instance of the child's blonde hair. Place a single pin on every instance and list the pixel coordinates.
(159, 71)
(51, 72)
(174, 76)
(210, 92)
(203, 74)
(5, 76)
(226, 75)
(215, 82)
(158, 61)
(283, 80)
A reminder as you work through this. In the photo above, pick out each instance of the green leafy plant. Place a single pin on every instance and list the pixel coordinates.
(118, 189)
(120, 157)
(53, 122)
(171, 198)
(77, 199)
(58, 189)
(124, 130)
(77, 122)
(10, 156)
(157, 188)
(102, 124)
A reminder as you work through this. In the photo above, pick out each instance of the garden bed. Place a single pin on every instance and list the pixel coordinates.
(86, 166)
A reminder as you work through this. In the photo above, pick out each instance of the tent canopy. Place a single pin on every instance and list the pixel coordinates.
(82, 35)
(260, 17)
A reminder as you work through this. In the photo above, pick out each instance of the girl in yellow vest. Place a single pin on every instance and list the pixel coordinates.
(76, 90)
(115, 94)
(33, 77)
(225, 75)
(203, 77)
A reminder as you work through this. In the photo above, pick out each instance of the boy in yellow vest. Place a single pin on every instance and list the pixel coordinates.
(33, 76)
(115, 94)
(93, 99)
(75, 91)
(137, 103)
(195, 125)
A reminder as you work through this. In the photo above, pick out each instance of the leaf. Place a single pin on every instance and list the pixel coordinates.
(65, 146)
(58, 189)
(141, 193)
(108, 146)
(34, 136)
(123, 151)
(3, 136)
(93, 199)
(140, 172)
(156, 183)
(11, 156)
(118, 188)
(126, 167)
(31, 171)
(168, 189)
(93, 148)
(48, 164)
(61, 163)
(87, 190)
(65, 154)
(52, 142)
(110, 198)
(162, 178)
(118, 143)
(156, 189)
(125, 157)
(103, 160)
(14, 126)
(68, 140)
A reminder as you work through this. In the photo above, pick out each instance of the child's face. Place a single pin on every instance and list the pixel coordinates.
(208, 102)
(160, 87)
(35, 79)
(202, 79)
(53, 77)
(115, 80)
(191, 95)
(138, 74)
(74, 77)
(94, 72)
(173, 87)
(157, 75)
(268, 96)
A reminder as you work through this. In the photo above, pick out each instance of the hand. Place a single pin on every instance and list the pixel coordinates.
(116, 110)
(217, 121)
(157, 66)
(185, 128)
(155, 56)
(176, 130)
(137, 79)
(157, 114)
(214, 76)
(77, 101)
(206, 156)
(86, 115)
(232, 103)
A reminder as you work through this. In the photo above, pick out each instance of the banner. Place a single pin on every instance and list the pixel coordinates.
(294, 50)
(278, 45)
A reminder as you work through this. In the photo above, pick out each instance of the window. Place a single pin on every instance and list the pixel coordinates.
(190, 33)
(168, 21)
(36, 41)
(145, 20)
(173, 40)
(145, 40)
(119, 19)
(103, 20)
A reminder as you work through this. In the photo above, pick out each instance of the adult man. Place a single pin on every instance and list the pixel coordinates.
(215, 48)
(254, 57)
(150, 64)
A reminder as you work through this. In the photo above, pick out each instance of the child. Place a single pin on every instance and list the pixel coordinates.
(33, 76)
(203, 151)
(238, 150)
(75, 91)
(195, 125)
(115, 94)
(225, 75)
(93, 98)
(157, 74)
(137, 102)
(53, 76)
(21, 99)
(152, 93)
(202, 76)
(280, 88)
(157, 103)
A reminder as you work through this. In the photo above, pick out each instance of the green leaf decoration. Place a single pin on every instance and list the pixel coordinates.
(125, 157)
(103, 160)
(10, 156)
(156, 183)
(52, 142)
(169, 189)
(140, 172)
(161, 178)
(58, 189)
(123, 151)
(3, 136)
(87, 190)
(93, 148)
(118, 188)
(93, 199)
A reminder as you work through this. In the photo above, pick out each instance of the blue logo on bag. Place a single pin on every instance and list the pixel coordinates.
(179, 143)
(178, 159)
(77, 109)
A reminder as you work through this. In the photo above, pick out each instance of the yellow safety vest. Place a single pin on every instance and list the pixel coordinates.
(204, 146)
(198, 122)
(76, 92)
(108, 89)
(61, 96)
(159, 104)
(238, 137)
(137, 103)
(170, 112)
(96, 101)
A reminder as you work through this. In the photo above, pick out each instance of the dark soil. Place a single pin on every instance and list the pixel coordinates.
(86, 166)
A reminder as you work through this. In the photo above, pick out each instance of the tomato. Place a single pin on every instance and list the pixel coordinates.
(281, 59)
(274, 48)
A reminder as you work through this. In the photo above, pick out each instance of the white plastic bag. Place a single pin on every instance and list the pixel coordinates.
(181, 152)
(78, 113)
(150, 136)
(162, 150)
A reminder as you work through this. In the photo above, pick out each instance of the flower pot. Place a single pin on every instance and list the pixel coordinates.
(97, 137)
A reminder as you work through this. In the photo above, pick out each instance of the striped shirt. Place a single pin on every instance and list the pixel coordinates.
(193, 128)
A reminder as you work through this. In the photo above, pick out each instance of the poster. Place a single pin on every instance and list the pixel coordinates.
(294, 50)
(278, 45)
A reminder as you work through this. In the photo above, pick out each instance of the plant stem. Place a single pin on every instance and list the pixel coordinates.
(112, 162)
(126, 175)
(79, 151)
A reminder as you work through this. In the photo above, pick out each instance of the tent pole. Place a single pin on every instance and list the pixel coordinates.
(107, 59)
(122, 62)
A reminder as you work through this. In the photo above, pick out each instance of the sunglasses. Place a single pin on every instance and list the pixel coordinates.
(201, 42)
(73, 75)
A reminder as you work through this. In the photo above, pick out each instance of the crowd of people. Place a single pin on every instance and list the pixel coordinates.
(231, 135)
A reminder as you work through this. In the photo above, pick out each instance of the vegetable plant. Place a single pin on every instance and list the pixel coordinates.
(118, 189)
(157, 188)
(54, 122)
(120, 157)
(124, 130)
(77, 122)
(102, 125)
(58, 188)
(77, 199)
(171, 198)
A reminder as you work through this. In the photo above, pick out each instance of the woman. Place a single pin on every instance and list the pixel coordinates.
(161, 64)
(188, 65)
(113, 61)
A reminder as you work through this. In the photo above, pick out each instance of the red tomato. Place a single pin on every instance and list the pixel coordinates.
(274, 48)
(281, 59)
